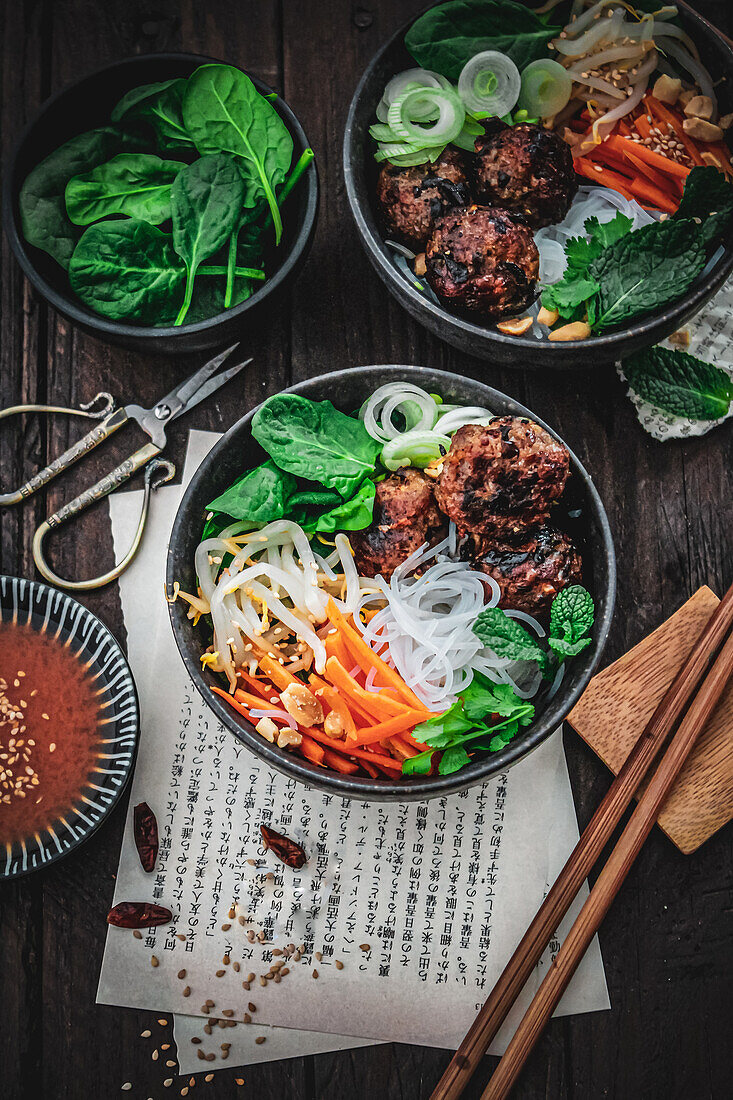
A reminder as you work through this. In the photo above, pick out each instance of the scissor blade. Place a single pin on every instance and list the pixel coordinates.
(187, 389)
(213, 385)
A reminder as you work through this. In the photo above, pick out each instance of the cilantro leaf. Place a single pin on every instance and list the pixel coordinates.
(708, 196)
(453, 760)
(418, 765)
(482, 698)
(506, 637)
(679, 384)
(645, 270)
(577, 289)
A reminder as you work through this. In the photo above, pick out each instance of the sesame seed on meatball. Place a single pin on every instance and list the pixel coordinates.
(502, 478)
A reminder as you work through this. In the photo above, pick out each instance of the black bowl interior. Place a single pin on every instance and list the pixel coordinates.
(87, 104)
(582, 514)
(361, 170)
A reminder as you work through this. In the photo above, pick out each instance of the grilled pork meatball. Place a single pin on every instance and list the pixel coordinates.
(482, 262)
(529, 571)
(410, 199)
(405, 516)
(503, 478)
(527, 170)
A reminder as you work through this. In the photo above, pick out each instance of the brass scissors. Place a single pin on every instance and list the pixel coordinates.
(153, 421)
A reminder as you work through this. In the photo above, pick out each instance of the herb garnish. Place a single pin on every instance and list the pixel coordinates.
(485, 717)
(620, 273)
(679, 384)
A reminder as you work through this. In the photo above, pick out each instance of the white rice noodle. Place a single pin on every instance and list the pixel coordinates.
(424, 629)
(697, 71)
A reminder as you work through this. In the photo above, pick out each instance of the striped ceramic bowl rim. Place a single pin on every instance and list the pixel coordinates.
(48, 610)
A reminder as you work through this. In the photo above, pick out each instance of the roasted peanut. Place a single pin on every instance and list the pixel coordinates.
(420, 267)
(667, 89)
(577, 330)
(333, 724)
(517, 326)
(700, 106)
(267, 729)
(302, 705)
(547, 316)
(701, 130)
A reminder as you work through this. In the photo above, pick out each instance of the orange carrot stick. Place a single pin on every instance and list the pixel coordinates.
(358, 754)
(378, 705)
(277, 673)
(254, 702)
(234, 703)
(604, 176)
(642, 188)
(311, 750)
(397, 725)
(367, 658)
(259, 687)
(622, 146)
(338, 763)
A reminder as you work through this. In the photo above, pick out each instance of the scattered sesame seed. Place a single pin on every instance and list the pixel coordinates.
(247, 1018)
(145, 1034)
(209, 1077)
(225, 927)
(52, 747)
(200, 1055)
(226, 960)
(155, 1055)
(365, 947)
(260, 1039)
(220, 973)
(210, 1004)
(339, 965)
(163, 1023)
(315, 974)
(239, 1080)
(181, 937)
(154, 960)
(181, 973)
(170, 1063)
(168, 1082)
(126, 1087)
(235, 967)
(319, 956)
(252, 1007)
(195, 1039)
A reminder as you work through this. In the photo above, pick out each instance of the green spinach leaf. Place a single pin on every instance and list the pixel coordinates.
(312, 439)
(645, 270)
(137, 185)
(708, 197)
(206, 199)
(679, 384)
(224, 112)
(353, 514)
(128, 269)
(261, 496)
(449, 35)
(160, 105)
(46, 224)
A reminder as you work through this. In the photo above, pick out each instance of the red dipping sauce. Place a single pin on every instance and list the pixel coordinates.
(49, 729)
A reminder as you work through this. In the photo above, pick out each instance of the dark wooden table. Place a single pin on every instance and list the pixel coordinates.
(667, 942)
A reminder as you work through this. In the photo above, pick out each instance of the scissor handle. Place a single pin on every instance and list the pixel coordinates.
(88, 442)
(156, 474)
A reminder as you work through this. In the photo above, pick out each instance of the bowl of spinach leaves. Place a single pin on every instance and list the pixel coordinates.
(161, 201)
(649, 285)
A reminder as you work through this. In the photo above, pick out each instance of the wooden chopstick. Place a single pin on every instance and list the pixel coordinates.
(609, 881)
(583, 858)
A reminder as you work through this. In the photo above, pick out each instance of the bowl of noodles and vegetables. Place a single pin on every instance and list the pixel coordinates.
(395, 596)
(537, 184)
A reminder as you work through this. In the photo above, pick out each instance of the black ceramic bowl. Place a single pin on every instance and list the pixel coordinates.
(87, 104)
(360, 171)
(581, 513)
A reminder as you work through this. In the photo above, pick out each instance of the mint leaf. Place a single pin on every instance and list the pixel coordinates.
(565, 649)
(679, 384)
(645, 270)
(453, 760)
(572, 613)
(709, 196)
(506, 637)
(577, 289)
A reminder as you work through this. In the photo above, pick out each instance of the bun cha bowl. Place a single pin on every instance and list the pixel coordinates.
(546, 190)
(391, 582)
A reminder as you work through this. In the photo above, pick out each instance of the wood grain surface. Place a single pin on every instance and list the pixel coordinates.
(620, 700)
(667, 941)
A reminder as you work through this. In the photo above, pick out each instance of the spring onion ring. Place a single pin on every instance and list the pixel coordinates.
(405, 109)
(546, 88)
(490, 83)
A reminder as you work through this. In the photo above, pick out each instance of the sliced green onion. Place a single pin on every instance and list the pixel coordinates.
(414, 448)
(451, 116)
(490, 82)
(381, 132)
(403, 153)
(411, 80)
(546, 88)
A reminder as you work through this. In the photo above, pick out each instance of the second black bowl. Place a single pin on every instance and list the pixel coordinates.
(237, 451)
(484, 341)
(89, 103)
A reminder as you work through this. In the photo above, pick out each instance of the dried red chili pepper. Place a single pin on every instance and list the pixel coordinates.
(285, 849)
(145, 829)
(138, 914)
